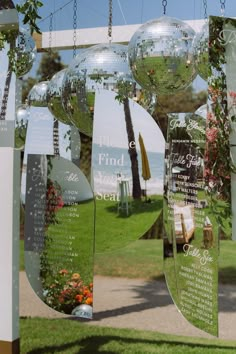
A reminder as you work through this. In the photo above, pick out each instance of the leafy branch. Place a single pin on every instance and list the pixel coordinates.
(30, 11)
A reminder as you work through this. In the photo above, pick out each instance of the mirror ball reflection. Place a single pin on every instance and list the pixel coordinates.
(54, 101)
(37, 96)
(161, 55)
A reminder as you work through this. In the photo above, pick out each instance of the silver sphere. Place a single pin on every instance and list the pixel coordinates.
(22, 114)
(161, 55)
(103, 66)
(201, 48)
(37, 96)
(84, 311)
(54, 102)
(25, 53)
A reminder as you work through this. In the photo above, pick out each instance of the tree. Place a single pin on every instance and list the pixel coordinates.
(183, 101)
(124, 91)
(49, 65)
(132, 151)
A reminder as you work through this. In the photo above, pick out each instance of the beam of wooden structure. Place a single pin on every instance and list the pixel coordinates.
(62, 40)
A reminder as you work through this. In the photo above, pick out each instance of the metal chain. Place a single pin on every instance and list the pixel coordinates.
(50, 33)
(222, 6)
(164, 4)
(205, 9)
(75, 8)
(110, 21)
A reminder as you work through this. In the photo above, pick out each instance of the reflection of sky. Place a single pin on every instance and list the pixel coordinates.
(39, 139)
(109, 122)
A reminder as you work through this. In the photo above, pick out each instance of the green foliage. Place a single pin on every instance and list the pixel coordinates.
(50, 64)
(30, 11)
(27, 86)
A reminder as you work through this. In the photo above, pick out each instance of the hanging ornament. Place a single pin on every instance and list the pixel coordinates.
(161, 55)
(22, 114)
(54, 97)
(25, 53)
(38, 94)
(103, 66)
(200, 45)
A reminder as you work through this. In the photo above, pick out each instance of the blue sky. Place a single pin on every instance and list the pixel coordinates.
(94, 13)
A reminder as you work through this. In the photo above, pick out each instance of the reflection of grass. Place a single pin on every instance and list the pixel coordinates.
(143, 259)
(70, 337)
(140, 259)
(116, 230)
(82, 230)
(155, 72)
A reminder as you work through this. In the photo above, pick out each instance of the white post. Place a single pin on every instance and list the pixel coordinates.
(9, 197)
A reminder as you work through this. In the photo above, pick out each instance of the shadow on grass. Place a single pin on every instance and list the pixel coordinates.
(137, 207)
(93, 344)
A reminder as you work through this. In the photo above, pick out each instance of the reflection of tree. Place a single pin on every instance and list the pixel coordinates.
(132, 151)
(6, 87)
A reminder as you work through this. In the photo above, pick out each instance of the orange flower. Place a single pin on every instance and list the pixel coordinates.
(63, 271)
(89, 301)
(75, 276)
(79, 298)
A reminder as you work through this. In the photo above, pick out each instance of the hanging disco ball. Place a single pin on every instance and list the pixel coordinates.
(53, 97)
(25, 53)
(103, 66)
(38, 94)
(22, 114)
(201, 51)
(161, 55)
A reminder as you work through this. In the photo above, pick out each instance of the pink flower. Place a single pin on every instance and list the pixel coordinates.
(211, 134)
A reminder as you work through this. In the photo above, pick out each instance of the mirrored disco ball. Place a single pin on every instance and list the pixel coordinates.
(54, 97)
(200, 44)
(161, 55)
(103, 66)
(25, 53)
(37, 96)
(22, 114)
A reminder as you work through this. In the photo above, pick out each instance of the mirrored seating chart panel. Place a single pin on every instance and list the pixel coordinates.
(190, 224)
(59, 218)
(127, 160)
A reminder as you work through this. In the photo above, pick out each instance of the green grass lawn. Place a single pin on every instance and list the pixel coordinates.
(143, 259)
(44, 336)
(114, 230)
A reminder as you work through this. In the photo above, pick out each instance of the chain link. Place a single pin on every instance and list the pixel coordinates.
(205, 9)
(222, 6)
(110, 21)
(75, 8)
(50, 33)
(164, 4)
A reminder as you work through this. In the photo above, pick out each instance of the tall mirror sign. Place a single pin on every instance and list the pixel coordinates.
(128, 162)
(9, 186)
(59, 223)
(190, 224)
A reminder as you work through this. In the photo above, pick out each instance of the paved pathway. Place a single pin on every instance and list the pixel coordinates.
(137, 304)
